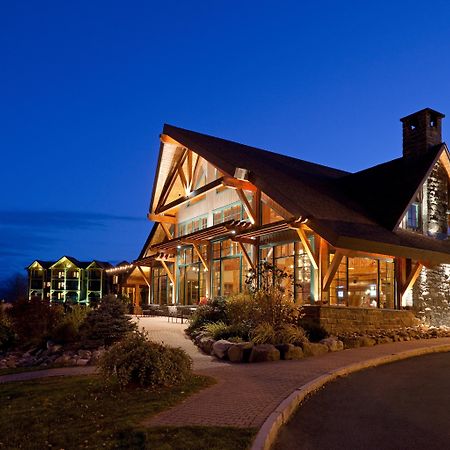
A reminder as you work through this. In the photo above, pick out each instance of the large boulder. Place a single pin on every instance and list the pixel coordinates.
(333, 344)
(264, 352)
(206, 344)
(366, 341)
(314, 349)
(220, 348)
(240, 352)
(351, 342)
(290, 352)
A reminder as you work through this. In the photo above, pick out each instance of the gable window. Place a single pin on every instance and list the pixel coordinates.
(412, 216)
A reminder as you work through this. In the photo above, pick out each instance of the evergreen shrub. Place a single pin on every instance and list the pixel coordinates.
(135, 360)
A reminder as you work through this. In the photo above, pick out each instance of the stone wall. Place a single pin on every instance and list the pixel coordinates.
(337, 319)
(431, 296)
(437, 199)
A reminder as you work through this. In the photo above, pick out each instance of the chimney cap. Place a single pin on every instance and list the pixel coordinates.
(422, 111)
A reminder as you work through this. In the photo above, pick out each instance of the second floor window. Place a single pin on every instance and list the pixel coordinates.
(412, 217)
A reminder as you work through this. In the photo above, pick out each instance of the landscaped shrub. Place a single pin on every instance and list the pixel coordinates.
(314, 331)
(34, 320)
(7, 336)
(264, 333)
(136, 360)
(106, 324)
(68, 330)
(220, 330)
(291, 334)
(211, 311)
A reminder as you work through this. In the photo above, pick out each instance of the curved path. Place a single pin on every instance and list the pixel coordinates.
(404, 405)
(248, 395)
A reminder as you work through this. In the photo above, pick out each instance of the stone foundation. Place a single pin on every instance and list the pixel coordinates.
(335, 319)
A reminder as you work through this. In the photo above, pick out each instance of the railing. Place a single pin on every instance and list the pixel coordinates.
(182, 312)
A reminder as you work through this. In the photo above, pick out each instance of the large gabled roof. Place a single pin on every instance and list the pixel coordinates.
(386, 190)
(364, 206)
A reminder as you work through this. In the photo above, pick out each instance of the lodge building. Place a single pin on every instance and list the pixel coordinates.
(348, 239)
(68, 280)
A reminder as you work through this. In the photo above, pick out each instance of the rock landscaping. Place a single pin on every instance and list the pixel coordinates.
(53, 355)
(248, 352)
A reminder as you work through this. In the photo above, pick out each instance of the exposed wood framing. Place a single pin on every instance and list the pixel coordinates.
(169, 273)
(162, 218)
(166, 139)
(183, 179)
(170, 181)
(307, 247)
(200, 256)
(143, 276)
(182, 200)
(332, 269)
(234, 183)
(412, 277)
(246, 204)
(246, 255)
(166, 229)
(276, 207)
(189, 168)
(195, 172)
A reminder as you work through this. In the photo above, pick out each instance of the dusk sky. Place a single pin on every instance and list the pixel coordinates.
(86, 86)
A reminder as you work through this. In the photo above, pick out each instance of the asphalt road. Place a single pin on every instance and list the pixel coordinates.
(404, 405)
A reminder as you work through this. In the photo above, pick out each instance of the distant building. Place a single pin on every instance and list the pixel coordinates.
(68, 280)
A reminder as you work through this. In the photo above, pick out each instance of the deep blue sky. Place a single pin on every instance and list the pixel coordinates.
(85, 87)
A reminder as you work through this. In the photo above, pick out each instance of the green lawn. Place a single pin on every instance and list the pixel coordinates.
(80, 412)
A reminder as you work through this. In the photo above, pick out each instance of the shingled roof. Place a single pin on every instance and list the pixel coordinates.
(341, 206)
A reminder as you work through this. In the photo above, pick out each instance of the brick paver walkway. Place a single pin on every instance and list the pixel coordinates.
(246, 394)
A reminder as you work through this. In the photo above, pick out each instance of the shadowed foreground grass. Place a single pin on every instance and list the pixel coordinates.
(80, 412)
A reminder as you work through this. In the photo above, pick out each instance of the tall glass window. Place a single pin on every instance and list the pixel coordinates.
(228, 270)
(161, 287)
(291, 258)
(191, 284)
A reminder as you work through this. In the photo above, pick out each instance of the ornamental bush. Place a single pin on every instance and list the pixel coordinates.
(34, 320)
(210, 312)
(138, 361)
(7, 335)
(106, 324)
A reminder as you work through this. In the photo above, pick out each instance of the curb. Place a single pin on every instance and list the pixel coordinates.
(268, 433)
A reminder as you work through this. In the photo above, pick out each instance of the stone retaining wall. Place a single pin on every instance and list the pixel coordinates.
(337, 319)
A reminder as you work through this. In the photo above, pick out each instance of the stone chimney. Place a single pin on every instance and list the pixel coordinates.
(421, 131)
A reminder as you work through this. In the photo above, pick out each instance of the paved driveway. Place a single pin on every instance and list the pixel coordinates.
(404, 405)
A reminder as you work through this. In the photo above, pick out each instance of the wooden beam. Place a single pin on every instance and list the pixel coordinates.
(246, 204)
(166, 229)
(411, 278)
(200, 256)
(166, 139)
(246, 255)
(143, 276)
(170, 181)
(276, 207)
(307, 247)
(182, 200)
(169, 273)
(332, 269)
(183, 179)
(189, 167)
(195, 172)
(162, 218)
(234, 183)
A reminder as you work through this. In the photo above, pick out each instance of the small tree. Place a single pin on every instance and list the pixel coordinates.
(271, 291)
(106, 324)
